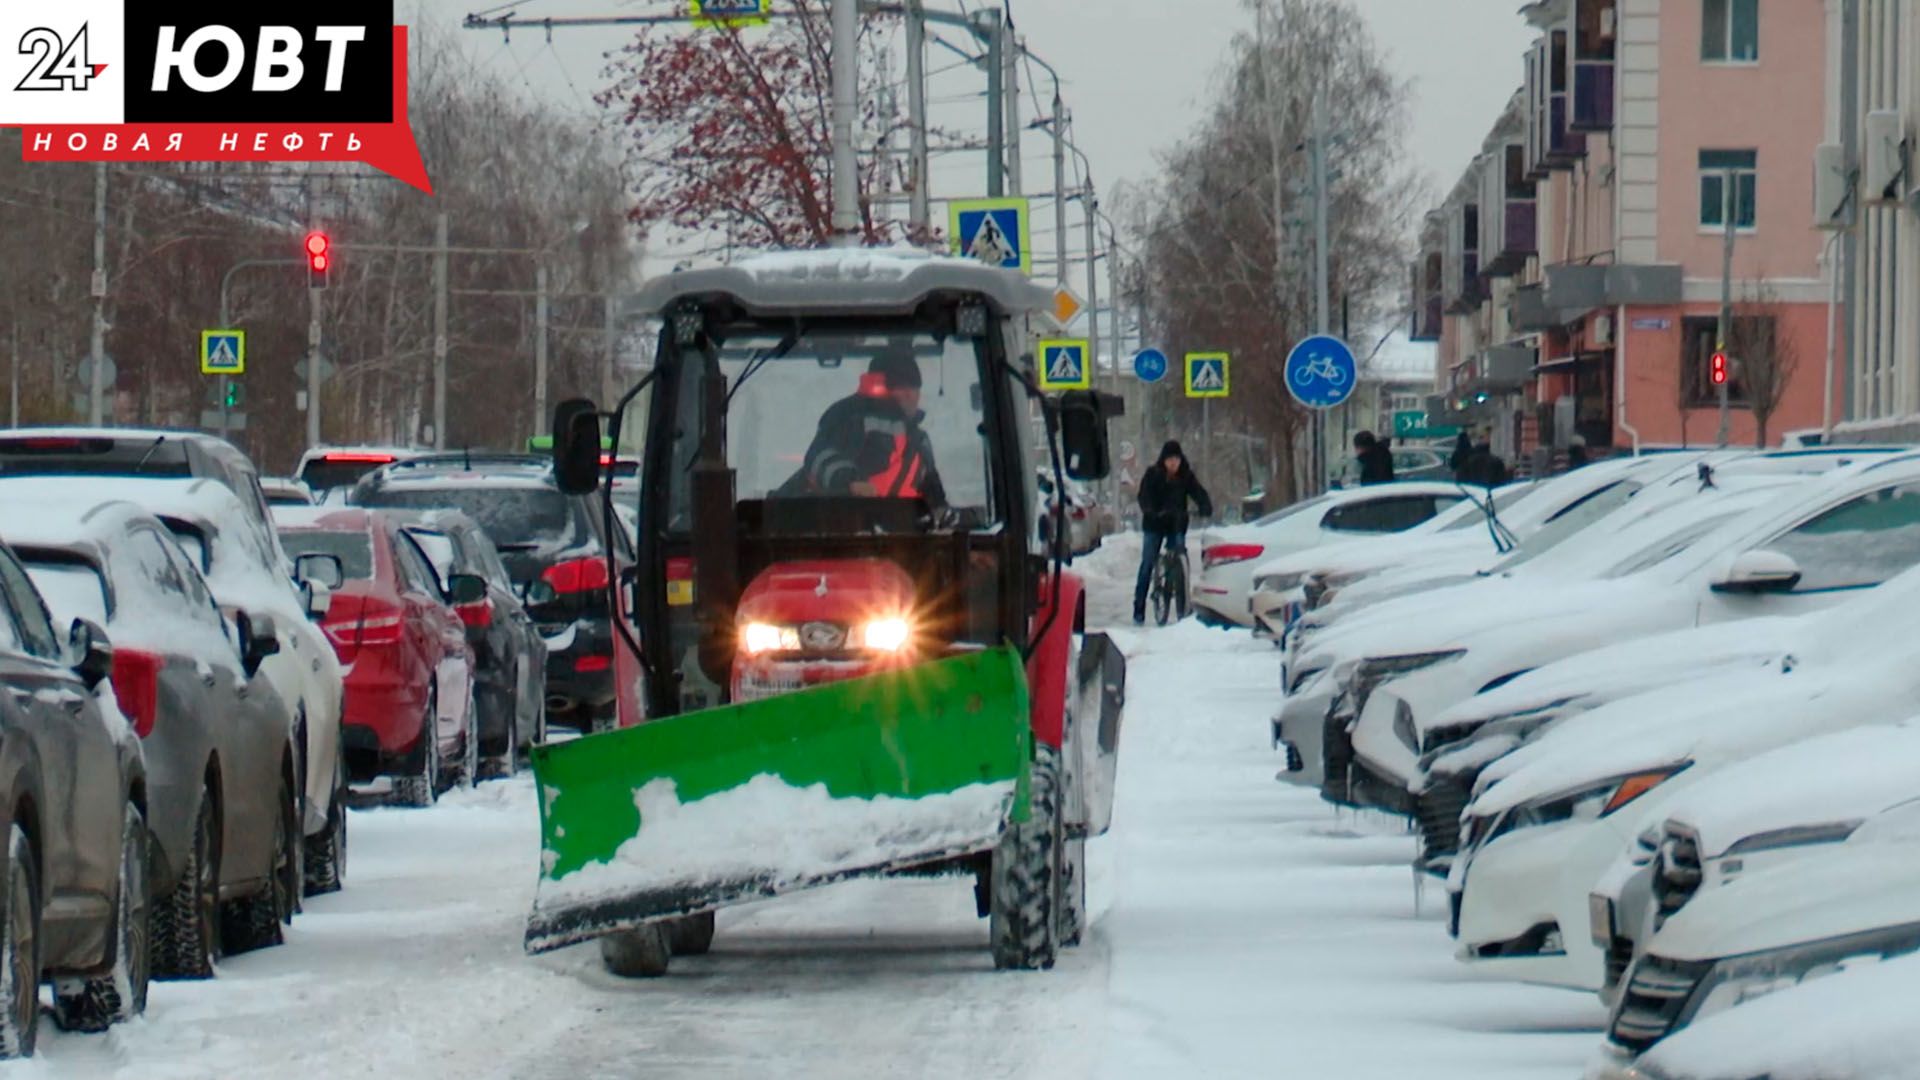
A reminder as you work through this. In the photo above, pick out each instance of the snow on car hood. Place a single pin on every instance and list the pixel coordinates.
(1377, 553)
(1829, 892)
(1865, 1031)
(1841, 776)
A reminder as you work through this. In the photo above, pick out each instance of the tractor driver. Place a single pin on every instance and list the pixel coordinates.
(871, 442)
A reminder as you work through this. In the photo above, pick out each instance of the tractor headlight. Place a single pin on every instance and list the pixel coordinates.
(888, 634)
(759, 637)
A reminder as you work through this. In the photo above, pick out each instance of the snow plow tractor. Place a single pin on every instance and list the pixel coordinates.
(862, 653)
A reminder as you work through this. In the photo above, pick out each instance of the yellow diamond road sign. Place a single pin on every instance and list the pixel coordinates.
(1067, 306)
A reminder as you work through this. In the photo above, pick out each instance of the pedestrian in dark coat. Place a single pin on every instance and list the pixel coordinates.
(1462, 456)
(1376, 458)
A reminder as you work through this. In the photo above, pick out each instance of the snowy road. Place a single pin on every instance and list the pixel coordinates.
(1242, 929)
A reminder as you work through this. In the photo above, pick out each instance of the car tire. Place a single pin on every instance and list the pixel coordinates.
(20, 949)
(93, 1004)
(326, 853)
(421, 787)
(470, 744)
(691, 935)
(506, 762)
(645, 953)
(256, 922)
(186, 922)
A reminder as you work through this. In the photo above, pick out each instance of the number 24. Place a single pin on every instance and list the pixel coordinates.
(57, 64)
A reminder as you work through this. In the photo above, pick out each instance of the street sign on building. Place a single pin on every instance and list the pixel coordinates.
(993, 231)
(1064, 364)
(1412, 424)
(1207, 374)
(731, 12)
(1150, 365)
(223, 352)
(1321, 372)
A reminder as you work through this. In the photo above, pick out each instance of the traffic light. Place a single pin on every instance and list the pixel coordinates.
(1719, 368)
(319, 259)
(234, 397)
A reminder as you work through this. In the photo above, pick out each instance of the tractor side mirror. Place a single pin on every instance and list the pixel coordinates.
(576, 446)
(1083, 435)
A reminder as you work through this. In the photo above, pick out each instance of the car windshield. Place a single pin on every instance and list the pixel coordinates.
(1470, 512)
(72, 590)
(833, 412)
(518, 518)
(438, 548)
(1288, 511)
(86, 455)
(1668, 547)
(353, 549)
(323, 474)
(1568, 523)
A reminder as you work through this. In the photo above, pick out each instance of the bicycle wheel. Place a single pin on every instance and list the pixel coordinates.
(1162, 595)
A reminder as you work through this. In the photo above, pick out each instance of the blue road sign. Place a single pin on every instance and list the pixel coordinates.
(1321, 372)
(1207, 374)
(223, 352)
(1150, 365)
(993, 231)
(1063, 365)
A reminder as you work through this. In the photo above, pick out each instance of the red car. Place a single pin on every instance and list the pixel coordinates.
(401, 634)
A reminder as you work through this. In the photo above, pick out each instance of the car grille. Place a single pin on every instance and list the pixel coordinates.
(1677, 873)
(1619, 955)
(1336, 756)
(1314, 590)
(1656, 994)
(1437, 809)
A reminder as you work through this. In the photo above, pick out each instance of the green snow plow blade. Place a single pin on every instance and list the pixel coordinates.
(747, 801)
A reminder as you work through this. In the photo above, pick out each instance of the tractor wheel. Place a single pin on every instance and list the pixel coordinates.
(637, 954)
(692, 935)
(1025, 876)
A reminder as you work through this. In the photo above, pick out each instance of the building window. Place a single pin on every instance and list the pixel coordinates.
(1716, 166)
(1698, 335)
(1730, 31)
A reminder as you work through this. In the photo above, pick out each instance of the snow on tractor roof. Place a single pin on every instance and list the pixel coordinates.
(851, 281)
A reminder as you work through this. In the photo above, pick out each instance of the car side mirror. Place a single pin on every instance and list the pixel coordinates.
(1083, 432)
(466, 588)
(576, 446)
(318, 597)
(1759, 571)
(259, 639)
(91, 651)
(318, 568)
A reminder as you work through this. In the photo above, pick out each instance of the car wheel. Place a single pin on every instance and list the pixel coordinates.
(94, 1004)
(506, 761)
(256, 921)
(186, 922)
(20, 950)
(422, 786)
(638, 954)
(691, 935)
(326, 854)
(470, 746)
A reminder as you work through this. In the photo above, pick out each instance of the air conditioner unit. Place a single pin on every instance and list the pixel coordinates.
(1830, 210)
(1883, 157)
(1603, 330)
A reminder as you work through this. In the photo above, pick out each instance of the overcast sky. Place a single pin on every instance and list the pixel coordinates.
(1137, 72)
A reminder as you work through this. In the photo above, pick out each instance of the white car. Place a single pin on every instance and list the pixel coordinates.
(244, 573)
(326, 470)
(283, 491)
(1554, 815)
(1228, 555)
(1774, 941)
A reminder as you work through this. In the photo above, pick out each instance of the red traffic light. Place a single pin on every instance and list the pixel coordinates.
(1719, 369)
(316, 243)
(319, 259)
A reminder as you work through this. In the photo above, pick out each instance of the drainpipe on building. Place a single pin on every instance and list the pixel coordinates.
(1850, 152)
(1620, 377)
(1833, 305)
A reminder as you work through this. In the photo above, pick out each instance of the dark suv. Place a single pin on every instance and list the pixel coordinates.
(554, 546)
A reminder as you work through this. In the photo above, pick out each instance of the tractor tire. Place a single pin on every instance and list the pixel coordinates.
(327, 852)
(1025, 876)
(638, 954)
(95, 1003)
(256, 922)
(20, 949)
(186, 922)
(692, 935)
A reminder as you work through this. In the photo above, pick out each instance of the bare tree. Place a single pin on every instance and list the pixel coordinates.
(1764, 353)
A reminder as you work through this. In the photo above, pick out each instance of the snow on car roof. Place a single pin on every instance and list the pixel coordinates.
(76, 524)
(299, 518)
(852, 280)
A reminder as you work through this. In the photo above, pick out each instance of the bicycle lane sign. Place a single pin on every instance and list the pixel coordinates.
(1321, 372)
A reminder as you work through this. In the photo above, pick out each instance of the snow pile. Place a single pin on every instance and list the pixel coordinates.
(774, 835)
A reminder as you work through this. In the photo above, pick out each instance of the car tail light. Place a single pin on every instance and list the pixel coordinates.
(587, 665)
(1221, 554)
(478, 614)
(577, 575)
(136, 683)
(45, 442)
(679, 582)
(379, 624)
(359, 458)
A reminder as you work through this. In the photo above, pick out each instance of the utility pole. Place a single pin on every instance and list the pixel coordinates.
(540, 345)
(1010, 87)
(97, 384)
(919, 212)
(440, 331)
(846, 84)
(1279, 185)
(1059, 188)
(313, 367)
(1321, 319)
(1727, 205)
(996, 107)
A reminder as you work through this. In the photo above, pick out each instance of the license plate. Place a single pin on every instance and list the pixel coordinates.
(1600, 915)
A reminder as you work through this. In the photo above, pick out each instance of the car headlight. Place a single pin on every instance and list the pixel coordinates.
(1831, 832)
(760, 637)
(1586, 804)
(1403, 725)
(1375, 670)
(1277, 582)
(886, 634)
(1738, 979)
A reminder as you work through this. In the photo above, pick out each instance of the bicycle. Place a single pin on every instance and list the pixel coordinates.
(1170, 581)
(1320, 368)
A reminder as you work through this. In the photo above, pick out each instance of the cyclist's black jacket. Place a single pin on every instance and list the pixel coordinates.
(1163, 499)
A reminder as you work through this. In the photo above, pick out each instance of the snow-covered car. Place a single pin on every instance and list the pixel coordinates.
(1747, 553)
(246, 575)
(1840, 912)
(1554, 815)
(1228, 555)
(285, 491)
(327, 470)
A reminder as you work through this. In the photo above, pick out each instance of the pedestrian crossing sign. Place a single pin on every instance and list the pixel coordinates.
(1063, 365)
(725, 13)
(223, 352)
(1207, 374)
(993, 231)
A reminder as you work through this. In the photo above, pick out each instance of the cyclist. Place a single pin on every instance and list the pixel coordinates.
(1164, 493)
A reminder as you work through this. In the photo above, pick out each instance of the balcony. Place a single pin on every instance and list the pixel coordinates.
(1530, 312)
(1591, 26)
(1583, 287)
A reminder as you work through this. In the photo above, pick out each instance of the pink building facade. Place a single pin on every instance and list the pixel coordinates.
(1573, 277)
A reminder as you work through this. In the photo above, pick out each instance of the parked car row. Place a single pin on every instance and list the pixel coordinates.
(1657, 722)
(1088, 521)
(199, 670)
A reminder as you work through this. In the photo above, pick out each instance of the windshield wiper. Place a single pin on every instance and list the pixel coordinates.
(141, 465)
(1503, 539)
(762, 359)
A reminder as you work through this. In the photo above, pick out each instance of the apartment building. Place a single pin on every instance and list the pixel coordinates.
(1573, 277)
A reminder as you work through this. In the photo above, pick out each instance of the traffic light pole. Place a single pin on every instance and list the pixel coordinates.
(1728, 203)
(226, 323)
